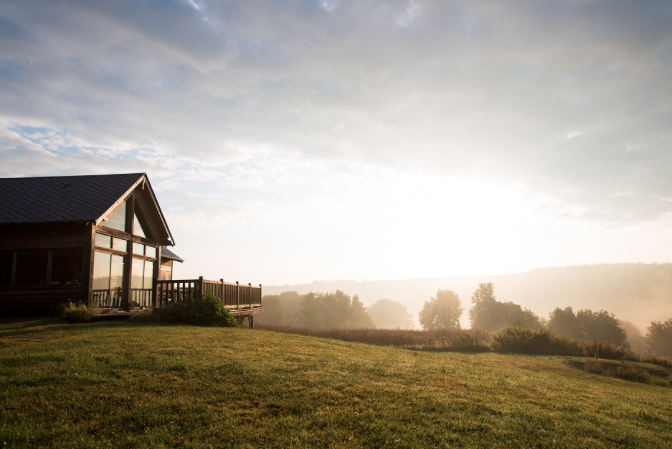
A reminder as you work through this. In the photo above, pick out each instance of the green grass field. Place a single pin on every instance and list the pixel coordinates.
(127, 384)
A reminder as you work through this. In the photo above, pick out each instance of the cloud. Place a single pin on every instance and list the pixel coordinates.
(488, 89)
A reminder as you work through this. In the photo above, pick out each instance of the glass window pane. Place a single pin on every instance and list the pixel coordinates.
(116, 279)
(104, 241)
(119, 244)
(139, 248)
(31, 267)
(149, 274)
(137, 229)
(118, 219)
(150, 251)
(137, 275)
(6, 260)
(66, 266)
(101, 271)
(117, 271)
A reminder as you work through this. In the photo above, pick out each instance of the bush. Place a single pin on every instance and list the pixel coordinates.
(77, 312)
(529, 341)
(208, 311)
(606, 350)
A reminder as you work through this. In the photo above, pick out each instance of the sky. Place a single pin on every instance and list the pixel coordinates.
(292, 141)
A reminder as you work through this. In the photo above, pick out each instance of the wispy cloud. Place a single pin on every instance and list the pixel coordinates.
(567, 99)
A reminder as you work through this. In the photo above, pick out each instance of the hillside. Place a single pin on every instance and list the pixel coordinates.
(639, 293)
(125, 384)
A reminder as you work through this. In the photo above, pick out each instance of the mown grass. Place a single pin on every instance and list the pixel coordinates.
(125, 384)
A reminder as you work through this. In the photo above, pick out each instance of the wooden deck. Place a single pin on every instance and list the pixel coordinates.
(243, 301)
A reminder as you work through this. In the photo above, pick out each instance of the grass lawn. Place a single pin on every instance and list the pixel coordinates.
(126, 384)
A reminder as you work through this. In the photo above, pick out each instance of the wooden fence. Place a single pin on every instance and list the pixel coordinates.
(236, 297)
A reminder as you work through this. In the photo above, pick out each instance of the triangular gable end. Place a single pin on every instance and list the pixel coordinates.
(149, 221)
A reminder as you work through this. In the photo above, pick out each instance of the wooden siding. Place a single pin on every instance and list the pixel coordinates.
(46, 236)
(166, 270)
(38, 300)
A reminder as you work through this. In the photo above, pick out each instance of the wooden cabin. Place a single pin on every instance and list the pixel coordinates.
(96, 239)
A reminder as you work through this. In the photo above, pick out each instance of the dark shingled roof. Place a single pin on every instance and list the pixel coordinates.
(61, 198)
(168, 254)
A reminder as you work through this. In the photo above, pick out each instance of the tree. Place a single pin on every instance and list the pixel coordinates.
(562, 322)
(311, 310)
(333, 310)
(587, 325)
(602, 326)
(659, 338)
(281, 310)
(635, 337)
(388, 314)
(273, 312)
(489, 314)
(359, 318)
(442, 311)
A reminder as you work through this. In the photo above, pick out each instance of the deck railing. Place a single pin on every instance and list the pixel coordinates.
(140, 297)
(233, 296)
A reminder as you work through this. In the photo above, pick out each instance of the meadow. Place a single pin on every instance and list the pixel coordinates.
(130, 384)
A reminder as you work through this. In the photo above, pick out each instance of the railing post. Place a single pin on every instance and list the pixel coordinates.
(237, 295)
(249, 293)
(199, 292)
(260, 295)
(221, 286)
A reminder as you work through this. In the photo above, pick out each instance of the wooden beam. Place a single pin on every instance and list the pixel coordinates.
(157, 270)
(87, 268)
(128, 260)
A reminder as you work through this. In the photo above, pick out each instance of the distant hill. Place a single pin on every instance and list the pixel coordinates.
(638, 293)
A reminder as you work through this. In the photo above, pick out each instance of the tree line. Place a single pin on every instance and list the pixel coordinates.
(443, 311)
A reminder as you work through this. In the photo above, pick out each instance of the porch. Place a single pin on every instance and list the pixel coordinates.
(242, 300)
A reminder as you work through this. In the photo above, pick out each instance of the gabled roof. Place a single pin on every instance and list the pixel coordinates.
(75, 199)
(168, 254)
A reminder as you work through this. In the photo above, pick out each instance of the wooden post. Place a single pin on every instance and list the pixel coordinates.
(87, 269)
(128, 260)
(260, 295)
(249, 291)
(237, 295)
(221, 283)
(155, 275)
(250, 319)
(199, 290)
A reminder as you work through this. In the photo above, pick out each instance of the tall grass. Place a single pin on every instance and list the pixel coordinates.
(77, 312)
(443, 339)
(511, 339)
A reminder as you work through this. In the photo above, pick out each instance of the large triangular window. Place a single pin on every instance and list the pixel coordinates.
(137, 228)
(118, 219)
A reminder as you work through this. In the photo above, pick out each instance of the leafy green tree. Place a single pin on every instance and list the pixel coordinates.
(601, 326)
(311, 310)
(659, 338)
(587, 325)
(281, 310)
(562, 322)
(273, 311)
(635, 337)
(359, 317)
(388, 314)
(489, 314)
(336, 309)
(333, 310)
(442, 311)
